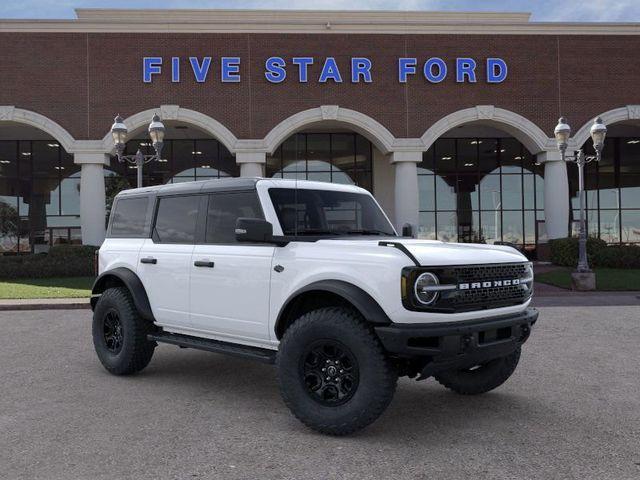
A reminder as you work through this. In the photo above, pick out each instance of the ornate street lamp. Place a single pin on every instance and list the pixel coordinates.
(562, 133)
(119, 133)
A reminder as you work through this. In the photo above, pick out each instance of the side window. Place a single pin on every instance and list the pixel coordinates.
(129, 218)
(176, 219)
(224, 210)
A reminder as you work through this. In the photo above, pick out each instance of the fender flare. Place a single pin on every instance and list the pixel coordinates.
(132, 282)
(361, 300)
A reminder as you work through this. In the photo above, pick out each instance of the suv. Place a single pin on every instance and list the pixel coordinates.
(311, 277)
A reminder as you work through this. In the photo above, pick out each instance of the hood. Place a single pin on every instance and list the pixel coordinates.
(436, 253)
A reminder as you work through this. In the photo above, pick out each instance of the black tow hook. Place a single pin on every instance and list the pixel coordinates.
(466, 342)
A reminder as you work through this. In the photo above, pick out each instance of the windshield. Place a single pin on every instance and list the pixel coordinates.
(328, 212)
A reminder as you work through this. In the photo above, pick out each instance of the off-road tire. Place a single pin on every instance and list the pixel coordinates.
(376, 381)
(135, 350)
(482, 379)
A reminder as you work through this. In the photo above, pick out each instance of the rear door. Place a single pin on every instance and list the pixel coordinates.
(230, 280)
(164, 260)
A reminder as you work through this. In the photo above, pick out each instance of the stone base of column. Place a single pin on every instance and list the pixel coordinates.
(583, 281)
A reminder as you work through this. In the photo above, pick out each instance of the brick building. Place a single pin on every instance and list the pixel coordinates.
(447, 118)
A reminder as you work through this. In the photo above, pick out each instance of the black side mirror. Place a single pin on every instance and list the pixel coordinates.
(407, 230)
(254, 230)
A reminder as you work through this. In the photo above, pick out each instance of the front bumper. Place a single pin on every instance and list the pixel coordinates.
(445, 346)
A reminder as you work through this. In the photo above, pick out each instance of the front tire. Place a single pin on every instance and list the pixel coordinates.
(333, 373)
(482, 378)
(120, 334)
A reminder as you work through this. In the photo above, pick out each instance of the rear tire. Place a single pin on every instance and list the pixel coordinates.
(333, 373)
(120, 333)
(480, 379)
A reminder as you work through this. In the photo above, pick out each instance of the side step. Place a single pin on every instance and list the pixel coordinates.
(254, 353)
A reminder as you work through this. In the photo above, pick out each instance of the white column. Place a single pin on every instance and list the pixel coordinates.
(92, 196)
(556, 194)
(251, 163)
(406, 189)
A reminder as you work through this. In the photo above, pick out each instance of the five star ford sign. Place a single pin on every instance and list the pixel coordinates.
(361, 69)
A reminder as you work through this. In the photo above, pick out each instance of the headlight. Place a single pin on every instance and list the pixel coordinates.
(527, 280)
(426, 288)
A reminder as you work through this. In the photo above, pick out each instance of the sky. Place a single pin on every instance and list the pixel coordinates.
(542, 10)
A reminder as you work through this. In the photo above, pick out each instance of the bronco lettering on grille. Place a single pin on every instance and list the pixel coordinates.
(488, 284)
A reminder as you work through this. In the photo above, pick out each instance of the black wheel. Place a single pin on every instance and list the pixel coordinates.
(480, 378)
(333, 373)
(120, 334)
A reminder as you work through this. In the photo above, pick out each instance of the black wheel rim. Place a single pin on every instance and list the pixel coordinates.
(112, 331)
(329, 372)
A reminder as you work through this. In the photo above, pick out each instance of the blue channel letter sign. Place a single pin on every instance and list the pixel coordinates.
(325, 70)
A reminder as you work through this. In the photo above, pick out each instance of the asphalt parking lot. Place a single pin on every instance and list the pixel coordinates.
(572, 410)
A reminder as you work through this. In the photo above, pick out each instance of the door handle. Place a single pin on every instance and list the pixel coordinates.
(149, 260)
(203, 263)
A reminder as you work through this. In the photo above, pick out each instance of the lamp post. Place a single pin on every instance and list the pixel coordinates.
(562, 133)
(119, 133)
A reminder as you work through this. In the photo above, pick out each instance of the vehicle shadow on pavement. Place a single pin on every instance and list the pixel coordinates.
(422, 410)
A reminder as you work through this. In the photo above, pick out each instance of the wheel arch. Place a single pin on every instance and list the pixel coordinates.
(123, 277)
(325, 293)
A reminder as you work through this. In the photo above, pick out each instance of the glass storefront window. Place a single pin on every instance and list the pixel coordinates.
(612, 191)
(482, 190)
(326, 157)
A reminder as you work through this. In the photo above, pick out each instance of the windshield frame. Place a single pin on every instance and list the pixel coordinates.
(379, 227)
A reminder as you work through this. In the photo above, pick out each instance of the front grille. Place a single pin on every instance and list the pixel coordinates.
(479, 273)
(475, 295)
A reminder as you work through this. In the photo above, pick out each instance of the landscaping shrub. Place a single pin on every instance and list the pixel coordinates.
(564, 251)
(61, 261)
(618, 256)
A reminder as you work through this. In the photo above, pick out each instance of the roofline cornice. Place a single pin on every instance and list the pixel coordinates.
(311, 22)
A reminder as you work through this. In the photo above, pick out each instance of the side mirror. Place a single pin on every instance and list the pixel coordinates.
(254, 230)
(407, 230)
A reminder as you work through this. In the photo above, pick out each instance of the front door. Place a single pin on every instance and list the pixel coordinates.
(230, 280)
(164, 260)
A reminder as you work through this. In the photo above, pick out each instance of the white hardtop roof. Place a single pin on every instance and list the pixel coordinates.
(239, 183)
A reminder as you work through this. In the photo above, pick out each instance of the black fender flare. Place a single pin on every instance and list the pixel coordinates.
(133, 284)
(361, 300)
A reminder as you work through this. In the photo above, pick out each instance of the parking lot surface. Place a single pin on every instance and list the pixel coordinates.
(571, 410)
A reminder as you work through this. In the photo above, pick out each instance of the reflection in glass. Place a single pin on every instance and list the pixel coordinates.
(501, 202)
(327, 157)
(630, 223)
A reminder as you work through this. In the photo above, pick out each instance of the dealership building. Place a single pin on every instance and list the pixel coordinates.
(447, 118)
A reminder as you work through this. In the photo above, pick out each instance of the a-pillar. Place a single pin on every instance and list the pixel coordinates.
(251, 163)
(556, 194)
(406, 189)
(92, 196)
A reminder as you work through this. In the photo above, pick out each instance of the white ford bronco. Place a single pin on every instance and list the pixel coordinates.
(313, 278)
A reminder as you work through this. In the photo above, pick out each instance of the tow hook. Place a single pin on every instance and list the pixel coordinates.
(466, 342)
(526, 330)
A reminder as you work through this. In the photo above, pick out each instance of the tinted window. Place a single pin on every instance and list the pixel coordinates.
(176, 219)
(320, 212)
(129, 218)
(224, 210)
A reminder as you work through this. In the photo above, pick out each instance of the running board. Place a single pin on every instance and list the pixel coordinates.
(254, 353)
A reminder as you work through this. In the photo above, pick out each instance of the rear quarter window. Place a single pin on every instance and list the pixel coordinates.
(129, 218)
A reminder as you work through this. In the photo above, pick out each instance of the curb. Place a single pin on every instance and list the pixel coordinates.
(45, 304)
